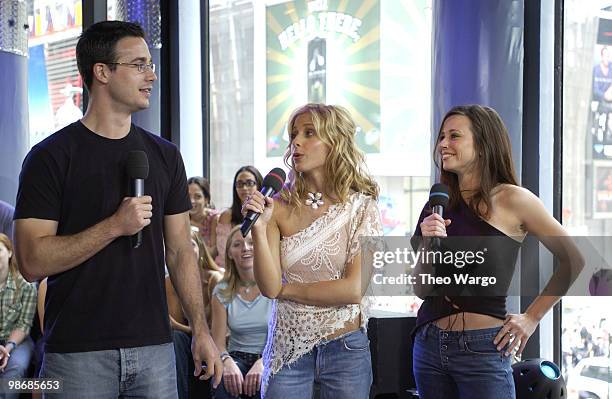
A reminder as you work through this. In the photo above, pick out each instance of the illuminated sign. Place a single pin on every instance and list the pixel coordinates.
(323, 52)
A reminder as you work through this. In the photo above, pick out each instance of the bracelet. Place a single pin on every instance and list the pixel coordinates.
(224, 355)
(12, 343)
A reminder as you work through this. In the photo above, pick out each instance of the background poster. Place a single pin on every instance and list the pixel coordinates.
(323, 51)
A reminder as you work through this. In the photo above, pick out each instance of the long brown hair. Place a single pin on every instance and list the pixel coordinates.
(345, 167)
(13, 269)
(494, 160)
(236, 202)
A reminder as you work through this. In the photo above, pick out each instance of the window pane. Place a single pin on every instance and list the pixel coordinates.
(587, 185)
(55, 89)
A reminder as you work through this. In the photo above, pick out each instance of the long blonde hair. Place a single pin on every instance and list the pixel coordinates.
(13, 268)
(231, 276)
(345, 168)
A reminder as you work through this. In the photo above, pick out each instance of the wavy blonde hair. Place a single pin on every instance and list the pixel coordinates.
(345, 168)
(231, 276)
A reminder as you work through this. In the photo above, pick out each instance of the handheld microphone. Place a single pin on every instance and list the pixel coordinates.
(272, 183)
(137, 171)
(438, 200)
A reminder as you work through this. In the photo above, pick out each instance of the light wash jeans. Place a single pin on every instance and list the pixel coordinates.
(342, 367)
(143, 372)
(18, 364)
(460, 365)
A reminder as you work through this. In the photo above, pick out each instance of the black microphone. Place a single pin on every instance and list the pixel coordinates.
(438, 200)
(137, 171)
(272, 183)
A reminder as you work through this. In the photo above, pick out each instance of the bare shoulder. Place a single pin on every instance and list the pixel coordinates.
(526, 207)
(282, 215)
(281, 208)
(513, 197)
(510, 205)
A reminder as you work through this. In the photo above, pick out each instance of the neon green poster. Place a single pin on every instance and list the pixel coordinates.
(323, 51)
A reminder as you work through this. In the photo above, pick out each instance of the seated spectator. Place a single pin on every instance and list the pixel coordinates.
(202, 211)
(239, 308)
(210, 275)
(18, 300)
(247, 180)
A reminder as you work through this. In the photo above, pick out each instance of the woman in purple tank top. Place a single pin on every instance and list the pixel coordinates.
(463, 343)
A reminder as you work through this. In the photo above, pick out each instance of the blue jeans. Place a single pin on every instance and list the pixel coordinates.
(143, 372)
(18, 364)
(460, 365)
(342, 367)
(184, 362)
(244, 361)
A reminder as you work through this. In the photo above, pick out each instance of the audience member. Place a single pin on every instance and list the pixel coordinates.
(246, 181)
(240, 309)
(18, 302)
(202, 211)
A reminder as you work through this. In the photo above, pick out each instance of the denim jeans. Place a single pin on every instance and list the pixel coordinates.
(342, 367)
(244, 361)
(184, 362)
(143, 372)
(461, 365)
(18, 364)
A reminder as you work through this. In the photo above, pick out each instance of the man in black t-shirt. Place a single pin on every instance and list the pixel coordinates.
(107, 332)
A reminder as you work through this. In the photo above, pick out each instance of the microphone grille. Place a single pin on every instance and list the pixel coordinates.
(275, 179)
(438, 195)
(137, 165)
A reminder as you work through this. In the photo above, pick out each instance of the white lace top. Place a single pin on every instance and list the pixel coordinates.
(320, 252)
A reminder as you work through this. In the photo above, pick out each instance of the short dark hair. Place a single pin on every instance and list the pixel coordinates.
(97, 44)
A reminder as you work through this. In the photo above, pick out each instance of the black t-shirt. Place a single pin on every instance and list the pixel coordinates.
(115, 299)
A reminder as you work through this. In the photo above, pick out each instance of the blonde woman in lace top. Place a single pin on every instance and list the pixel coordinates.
(308, 257)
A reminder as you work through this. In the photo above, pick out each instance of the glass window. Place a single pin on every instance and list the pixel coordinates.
(372, 57)
(587, 178)
(55, 89)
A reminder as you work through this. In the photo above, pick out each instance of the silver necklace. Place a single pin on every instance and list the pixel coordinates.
(314, 200)
(247, 287)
